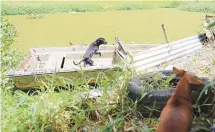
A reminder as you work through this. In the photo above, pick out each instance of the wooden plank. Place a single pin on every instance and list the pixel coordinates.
(84, 48)
(55, 60)
(121, 46)
(128, 56)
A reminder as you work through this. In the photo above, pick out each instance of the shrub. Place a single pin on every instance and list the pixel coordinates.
(10, 56)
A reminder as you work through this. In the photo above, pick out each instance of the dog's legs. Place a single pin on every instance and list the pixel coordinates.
(98, 53)
(90, 62)
(85, 63)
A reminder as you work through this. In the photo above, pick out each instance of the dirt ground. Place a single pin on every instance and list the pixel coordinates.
(200, 62)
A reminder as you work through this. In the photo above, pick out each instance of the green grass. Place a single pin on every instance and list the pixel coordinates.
(21, 8)
(64, 110)
(68, 110)
(206, 7)
(35, 7)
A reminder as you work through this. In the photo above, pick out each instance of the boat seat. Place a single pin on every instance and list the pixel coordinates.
(55, 60)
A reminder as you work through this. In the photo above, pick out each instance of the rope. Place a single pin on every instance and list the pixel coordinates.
(204, 89)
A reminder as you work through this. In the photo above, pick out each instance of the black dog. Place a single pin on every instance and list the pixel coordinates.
(91, 50)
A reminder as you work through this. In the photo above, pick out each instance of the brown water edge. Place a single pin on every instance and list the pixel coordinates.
(142, 26)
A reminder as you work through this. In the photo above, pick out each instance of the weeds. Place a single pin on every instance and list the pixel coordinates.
(65, 110)
(22, 8)
(206, 7)
(35, 16)
(10, 57)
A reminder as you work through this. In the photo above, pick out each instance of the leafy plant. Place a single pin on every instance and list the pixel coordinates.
(10, 57)
(22, 8)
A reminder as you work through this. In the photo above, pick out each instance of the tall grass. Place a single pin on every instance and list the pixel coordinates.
(65, 110)
(206, 7)
(22, 8)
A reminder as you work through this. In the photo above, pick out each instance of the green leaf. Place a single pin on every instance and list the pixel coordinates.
(111, 124)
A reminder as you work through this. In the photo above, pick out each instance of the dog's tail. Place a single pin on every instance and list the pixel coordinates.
(77, 63)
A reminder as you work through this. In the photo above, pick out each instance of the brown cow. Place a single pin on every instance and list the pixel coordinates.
(177, 115)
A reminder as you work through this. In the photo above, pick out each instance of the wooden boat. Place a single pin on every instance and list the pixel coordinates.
(41, 64)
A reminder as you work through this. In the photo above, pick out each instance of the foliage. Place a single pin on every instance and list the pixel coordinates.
(10, 56)
(21, 8)
(69, 110)
(66, 110)
(206, 7)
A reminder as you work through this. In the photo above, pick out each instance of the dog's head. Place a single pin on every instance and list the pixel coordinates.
(100, 41)
(194, 81)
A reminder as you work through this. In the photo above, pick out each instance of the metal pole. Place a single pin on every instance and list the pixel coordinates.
(165, 35)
